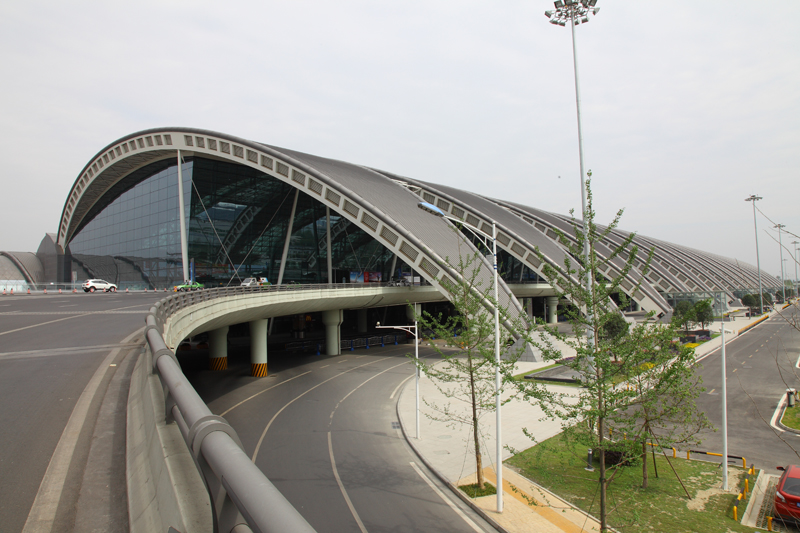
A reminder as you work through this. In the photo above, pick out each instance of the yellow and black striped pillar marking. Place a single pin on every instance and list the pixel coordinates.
(218, 363)
(258, 370)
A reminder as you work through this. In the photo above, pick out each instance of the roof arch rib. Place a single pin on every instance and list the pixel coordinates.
(368, 199)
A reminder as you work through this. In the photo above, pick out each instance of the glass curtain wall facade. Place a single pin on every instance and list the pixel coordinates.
(237, 223)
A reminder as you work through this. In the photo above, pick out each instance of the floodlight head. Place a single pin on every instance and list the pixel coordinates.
(554, 21)
(548, 14)
(585, 19)
(559, 4)
(595, 10)
(430, 208)
(591, 3)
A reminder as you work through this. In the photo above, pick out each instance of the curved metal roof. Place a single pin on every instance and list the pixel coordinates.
(385, 206)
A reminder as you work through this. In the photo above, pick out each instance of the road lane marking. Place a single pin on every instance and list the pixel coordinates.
(67, 318)
(398, 387)
(262, 392)
(341, 487)
(361, 385)
(326, 366)
(458, 511)
(43, 511)
(6, 356)
(774, 420)
(264, 433)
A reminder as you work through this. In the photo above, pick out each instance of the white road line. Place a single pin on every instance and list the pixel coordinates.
(43, 511)
(341, 487)
(262, 392)
(67, 318)
(264, 433)
(326, 366)
(458, 511)
(409, 377)
(774, 420)
(361, 385)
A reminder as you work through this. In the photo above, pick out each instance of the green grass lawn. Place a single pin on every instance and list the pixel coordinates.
(663, 507)
(791, 417)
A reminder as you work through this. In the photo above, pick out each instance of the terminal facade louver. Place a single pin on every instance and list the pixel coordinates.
(255, 210)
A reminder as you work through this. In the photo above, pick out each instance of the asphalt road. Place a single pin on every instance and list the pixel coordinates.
(761, 365)
(324, 430)
(50, 349)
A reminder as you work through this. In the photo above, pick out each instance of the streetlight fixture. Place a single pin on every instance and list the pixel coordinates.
(753, 198)
(577, 12)
(414, 331)
(780, 244)
(430, 208)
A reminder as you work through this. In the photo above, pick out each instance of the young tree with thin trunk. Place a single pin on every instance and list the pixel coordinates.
(467, 376)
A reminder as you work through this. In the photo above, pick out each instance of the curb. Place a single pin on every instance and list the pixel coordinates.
(455, 490)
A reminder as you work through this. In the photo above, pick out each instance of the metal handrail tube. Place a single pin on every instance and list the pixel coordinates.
(263, 506)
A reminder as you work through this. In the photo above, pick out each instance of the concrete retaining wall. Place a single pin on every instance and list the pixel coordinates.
(164, 486)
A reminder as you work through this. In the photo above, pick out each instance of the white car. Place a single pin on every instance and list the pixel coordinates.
(91, 285)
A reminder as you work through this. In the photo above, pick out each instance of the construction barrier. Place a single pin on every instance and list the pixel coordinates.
(748, 326)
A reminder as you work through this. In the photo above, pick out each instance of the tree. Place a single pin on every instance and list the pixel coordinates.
(750, 301)
(703, 313)
(683, 315)
(468, 376)
(605, 360)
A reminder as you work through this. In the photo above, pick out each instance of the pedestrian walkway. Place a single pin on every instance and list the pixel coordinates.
(447, 451)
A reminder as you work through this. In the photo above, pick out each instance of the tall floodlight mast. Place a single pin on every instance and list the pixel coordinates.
(753, 198)
(783, 276)
(576, 12)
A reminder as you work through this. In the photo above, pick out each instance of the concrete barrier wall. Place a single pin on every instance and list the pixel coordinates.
(164, 486)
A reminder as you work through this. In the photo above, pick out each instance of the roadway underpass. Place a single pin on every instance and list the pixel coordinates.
(324, 430)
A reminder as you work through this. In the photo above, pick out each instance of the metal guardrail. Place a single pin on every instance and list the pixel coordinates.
(241, 495)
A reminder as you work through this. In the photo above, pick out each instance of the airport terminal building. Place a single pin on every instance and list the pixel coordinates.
(164, 205)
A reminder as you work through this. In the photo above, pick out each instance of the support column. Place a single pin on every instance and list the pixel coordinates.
(258, 348)
(218, 348)
(411, 311)
(182, 217)
(529, 307)
(362, 320)
(328, 243)
(333, 335)
(552, 309)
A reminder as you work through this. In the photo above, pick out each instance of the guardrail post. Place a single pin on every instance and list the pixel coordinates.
(674, 453)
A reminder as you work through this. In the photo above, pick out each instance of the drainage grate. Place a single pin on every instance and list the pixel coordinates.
(395, 425)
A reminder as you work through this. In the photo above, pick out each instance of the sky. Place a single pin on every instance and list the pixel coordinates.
(687, 107)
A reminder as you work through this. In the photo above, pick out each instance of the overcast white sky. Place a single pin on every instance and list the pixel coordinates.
(688, 106)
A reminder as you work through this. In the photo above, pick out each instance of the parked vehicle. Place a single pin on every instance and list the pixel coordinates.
(91, 285)
(787, 494)
(187, 286)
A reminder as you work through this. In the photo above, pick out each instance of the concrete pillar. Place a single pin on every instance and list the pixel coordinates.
(258, 348)
(529, 307)
(218, 349)
(333, 334)
(362, 320)
(552, 309)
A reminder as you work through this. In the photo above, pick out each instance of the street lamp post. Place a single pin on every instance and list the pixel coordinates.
(576, 12)
(413, 330)
(430, 208)
(780, 245)
(724, 414)
(753, 198)
(796, 294)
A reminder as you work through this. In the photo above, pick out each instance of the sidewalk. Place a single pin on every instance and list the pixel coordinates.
(446, 450)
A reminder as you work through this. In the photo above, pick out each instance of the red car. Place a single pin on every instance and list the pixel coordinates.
(787, 494)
